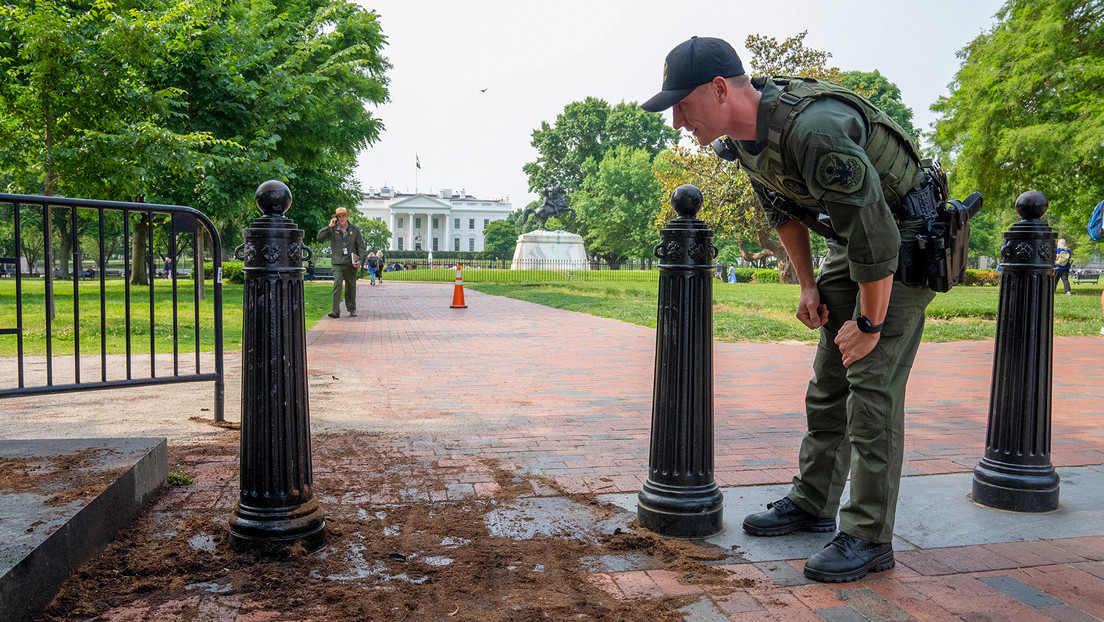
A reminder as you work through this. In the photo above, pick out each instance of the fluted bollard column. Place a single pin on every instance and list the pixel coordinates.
(276, 505)
(1016, 473)
(680, 497)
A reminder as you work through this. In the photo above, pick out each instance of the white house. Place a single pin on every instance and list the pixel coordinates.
(446, 221)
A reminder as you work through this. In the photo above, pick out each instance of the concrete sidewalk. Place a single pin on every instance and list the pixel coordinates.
(565, 399)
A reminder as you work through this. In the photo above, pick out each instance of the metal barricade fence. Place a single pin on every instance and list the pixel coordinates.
(33, 238)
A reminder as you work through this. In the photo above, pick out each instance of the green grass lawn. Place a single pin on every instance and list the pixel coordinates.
(765, 312)
(317, 299)
(741, 312)
(487, 275)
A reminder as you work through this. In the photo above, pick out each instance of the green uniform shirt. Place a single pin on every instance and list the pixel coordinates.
(823, 152)
(349, 240)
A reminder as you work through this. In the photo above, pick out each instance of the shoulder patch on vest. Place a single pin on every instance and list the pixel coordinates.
(841, 172)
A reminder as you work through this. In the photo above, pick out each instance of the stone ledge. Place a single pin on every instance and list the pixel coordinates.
(48, 529)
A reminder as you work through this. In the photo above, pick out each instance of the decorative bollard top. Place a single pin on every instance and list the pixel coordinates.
(273, 198)
(1031, 205)
(686, 201)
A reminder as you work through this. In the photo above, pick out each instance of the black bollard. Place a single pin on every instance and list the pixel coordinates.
(1016, 473)
(276, 506)
(680, 497)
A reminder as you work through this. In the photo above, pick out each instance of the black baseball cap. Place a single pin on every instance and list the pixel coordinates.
(692, 64)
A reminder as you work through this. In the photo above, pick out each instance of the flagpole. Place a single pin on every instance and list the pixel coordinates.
(417, 167)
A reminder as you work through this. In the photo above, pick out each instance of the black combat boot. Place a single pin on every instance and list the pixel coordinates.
(783, 517)
(847, 558)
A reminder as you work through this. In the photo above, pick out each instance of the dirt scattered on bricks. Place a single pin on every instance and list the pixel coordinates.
(62, 478)
(407, 538)
(227, 425)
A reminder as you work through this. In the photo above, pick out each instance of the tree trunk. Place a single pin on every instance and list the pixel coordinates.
(770, 248)
(65, 248)
(786, 271)
(198, 270)
(138, 275)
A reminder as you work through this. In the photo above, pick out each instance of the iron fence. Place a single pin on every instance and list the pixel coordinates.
(169, 228)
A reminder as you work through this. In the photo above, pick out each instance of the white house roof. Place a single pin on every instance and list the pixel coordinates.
(422, 202)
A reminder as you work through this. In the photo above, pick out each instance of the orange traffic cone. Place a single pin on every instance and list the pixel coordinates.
(458, 292)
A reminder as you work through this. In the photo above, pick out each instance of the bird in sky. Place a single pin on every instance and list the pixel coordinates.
(482, 90)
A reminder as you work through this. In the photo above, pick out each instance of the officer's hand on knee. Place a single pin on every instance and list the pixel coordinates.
(855, 344)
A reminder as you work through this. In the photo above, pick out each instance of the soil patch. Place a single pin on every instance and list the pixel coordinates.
(398, 547)
(62, 478)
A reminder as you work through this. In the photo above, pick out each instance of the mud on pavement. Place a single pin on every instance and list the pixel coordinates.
(406, 539)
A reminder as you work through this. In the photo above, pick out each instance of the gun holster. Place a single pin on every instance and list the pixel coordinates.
(937, 256)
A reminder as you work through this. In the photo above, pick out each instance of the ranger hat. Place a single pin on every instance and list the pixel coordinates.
(341, 210)
(692, 64)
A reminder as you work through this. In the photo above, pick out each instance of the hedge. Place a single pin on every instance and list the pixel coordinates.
(231, 271)
(981, 277)
(765, 275)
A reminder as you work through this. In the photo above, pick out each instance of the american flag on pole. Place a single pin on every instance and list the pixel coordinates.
(417, 162)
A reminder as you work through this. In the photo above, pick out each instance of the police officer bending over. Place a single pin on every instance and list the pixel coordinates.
(821, 157)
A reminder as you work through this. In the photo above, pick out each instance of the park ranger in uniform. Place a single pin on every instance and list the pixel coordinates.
(347, 247)
(822, 158)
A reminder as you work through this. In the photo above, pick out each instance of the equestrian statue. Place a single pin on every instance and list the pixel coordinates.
(554, 204)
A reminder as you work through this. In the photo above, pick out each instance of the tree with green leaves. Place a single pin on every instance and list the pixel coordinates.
(73, 90)
(499, 240)
(1025, 110)
(589, 130)
(77, 115)
(287, 85)
(189, 103)
(791, 57)
(617, 206)
(377, 237)
(883, 94)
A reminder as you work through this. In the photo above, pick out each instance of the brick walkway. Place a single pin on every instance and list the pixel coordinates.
(568, 396)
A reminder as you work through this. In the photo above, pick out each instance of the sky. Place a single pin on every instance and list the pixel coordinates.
(471, 80)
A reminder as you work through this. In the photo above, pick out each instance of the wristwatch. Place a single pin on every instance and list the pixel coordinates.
(866, 327)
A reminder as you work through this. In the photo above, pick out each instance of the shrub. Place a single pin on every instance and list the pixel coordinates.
(743, 275)
(981, 277)
(231, 271)
(765, 275)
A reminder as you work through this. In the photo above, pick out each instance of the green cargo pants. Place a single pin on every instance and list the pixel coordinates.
(856, 415)
(344, 274)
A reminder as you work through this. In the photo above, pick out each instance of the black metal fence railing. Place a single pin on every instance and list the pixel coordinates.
(506, 271)
(47, 322)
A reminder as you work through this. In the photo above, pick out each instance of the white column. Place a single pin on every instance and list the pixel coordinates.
(410, 230)
(394, 234)
(446, 242)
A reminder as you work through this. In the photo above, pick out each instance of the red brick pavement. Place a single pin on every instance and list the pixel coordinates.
(568, 395)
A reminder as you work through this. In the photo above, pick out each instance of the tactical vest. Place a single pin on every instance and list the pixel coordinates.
(888, 147)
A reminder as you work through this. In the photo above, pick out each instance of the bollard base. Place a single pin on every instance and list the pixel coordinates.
(254, 528)
(681, 511)
(1016, 488)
